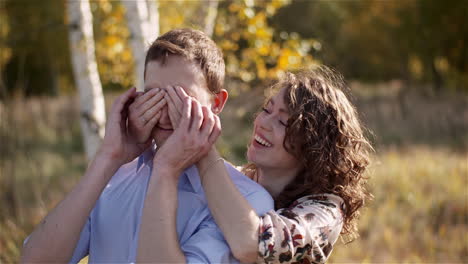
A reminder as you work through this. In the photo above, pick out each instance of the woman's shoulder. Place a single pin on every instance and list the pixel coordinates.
(326, 209)
(323, 199)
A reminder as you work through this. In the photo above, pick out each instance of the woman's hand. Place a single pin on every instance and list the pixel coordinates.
(175, 96)
(194, 136)
(118, 144)
(144, 114)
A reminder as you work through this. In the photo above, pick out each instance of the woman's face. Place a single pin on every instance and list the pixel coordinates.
(266, 148)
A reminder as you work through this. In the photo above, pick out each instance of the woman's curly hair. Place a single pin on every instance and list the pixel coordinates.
(324, 133)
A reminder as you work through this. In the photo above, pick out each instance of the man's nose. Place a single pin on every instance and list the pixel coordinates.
(164, 119)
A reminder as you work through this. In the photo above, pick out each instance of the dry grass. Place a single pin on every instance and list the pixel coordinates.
(419, 177)
(419, 213)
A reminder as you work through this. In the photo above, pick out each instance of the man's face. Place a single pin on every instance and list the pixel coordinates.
(176, 71)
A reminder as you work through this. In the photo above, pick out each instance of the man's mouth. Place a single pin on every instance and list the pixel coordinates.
(165, 128)
(262, 141)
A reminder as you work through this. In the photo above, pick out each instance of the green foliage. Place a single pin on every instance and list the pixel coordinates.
(417, 41)
(421, 41)
(113, 52)
(253, 50)
(36, 58)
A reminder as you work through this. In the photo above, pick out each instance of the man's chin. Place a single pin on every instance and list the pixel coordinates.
(161, 135)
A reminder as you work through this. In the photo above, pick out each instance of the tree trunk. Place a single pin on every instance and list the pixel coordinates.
(143, 22)
(211, 13)
(85, 72)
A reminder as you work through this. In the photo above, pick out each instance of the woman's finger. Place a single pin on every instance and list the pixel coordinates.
(144, 107)
(216, 130)
(173, 112)
(122, 102)
(156, 109)
(181, 92)
(186, 114)
(146, 95)
(119, 110)
(208, 122)
(154, 120)
(197, 116)
(171, 90)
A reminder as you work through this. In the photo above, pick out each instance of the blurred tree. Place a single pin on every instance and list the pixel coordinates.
(415, 40)
(254, 51)
(143, 22)
(418, 40)
(351, 35)
(5, 53)
(435, 34)
(211, 9)
(113, 51)
(35, 54)
(181, 13)
(93, 115)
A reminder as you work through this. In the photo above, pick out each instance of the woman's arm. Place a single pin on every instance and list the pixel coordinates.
(231, 211)
(55, 239)
(312, 223)
(158, 239)
(196, 133)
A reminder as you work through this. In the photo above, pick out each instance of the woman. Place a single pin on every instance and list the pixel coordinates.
(308, 150)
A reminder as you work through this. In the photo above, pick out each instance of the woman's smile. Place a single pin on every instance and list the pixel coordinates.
(260, 140)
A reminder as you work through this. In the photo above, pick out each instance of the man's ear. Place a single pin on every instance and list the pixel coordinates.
(219, 100)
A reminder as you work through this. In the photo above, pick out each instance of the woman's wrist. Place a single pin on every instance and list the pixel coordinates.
(165, 171)
(109, 156)
(211, 156)
(207, 162)
(105, 163)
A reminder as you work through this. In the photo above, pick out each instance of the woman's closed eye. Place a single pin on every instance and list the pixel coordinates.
(265, 110)
(283, 123)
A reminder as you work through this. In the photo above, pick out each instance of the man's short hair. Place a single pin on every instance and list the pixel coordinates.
(195, 46)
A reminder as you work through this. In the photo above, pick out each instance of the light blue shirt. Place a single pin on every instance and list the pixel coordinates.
(111, 232)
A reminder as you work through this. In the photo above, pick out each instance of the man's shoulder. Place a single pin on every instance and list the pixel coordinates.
(125, 170)
(244, 183)
(256, 195)
(130, 177)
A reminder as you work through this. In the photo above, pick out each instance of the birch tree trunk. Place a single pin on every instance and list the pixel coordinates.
(85, 72)
(210, 19)
(143, 22)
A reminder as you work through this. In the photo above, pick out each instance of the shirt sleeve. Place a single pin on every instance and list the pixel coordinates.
(260, 201)
(307, 230)
(82, 248)
(207, 245)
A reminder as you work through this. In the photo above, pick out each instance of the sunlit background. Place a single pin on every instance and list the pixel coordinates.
(406, 63)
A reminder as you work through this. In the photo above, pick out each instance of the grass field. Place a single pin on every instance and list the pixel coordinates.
(419, 175)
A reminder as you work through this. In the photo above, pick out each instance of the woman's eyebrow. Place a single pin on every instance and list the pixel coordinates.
(282, 110)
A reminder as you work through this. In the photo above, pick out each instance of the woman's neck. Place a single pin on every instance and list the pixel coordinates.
(275, 180)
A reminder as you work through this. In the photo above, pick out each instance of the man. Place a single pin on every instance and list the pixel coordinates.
(101, 216)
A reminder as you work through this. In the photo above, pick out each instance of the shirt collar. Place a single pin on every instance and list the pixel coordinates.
(193, 177)
(191, 173)
(146, 157)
